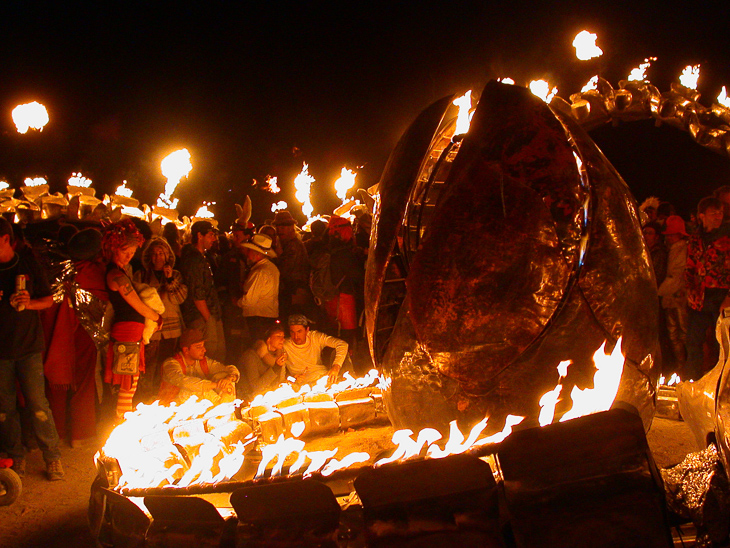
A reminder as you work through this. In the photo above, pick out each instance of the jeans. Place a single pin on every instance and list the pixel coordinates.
(28, 371)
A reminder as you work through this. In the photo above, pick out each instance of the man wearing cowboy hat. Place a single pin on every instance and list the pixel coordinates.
(260, 300)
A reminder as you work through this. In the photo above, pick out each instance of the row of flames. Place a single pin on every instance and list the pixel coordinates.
(143, 443)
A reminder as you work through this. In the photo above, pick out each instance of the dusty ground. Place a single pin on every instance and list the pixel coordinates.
(54, 513)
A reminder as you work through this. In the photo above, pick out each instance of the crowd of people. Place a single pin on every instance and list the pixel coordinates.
(100, 317)
(691, 262)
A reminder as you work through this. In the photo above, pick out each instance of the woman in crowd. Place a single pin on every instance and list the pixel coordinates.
(125, 360)
(157, 271)
(262, 365)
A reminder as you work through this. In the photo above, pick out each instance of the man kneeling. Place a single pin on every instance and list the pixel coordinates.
(190, 373)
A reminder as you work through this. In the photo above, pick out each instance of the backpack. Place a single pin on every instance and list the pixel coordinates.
(320, 279)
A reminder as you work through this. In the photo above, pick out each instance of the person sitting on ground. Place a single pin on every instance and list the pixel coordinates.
(304, 352)
(189, 373)
(263, 365)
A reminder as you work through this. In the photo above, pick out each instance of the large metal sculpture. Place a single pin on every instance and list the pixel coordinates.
(496, 256)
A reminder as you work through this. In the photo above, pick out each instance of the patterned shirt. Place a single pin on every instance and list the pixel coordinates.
(708, 264)
(198, 277)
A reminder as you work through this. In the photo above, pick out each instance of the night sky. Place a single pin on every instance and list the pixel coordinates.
(252, 91)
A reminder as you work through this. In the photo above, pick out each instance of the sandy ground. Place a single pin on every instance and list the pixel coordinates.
(55, 513)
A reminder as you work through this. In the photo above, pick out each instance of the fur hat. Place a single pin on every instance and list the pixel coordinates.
(149, 247)
(283, 217)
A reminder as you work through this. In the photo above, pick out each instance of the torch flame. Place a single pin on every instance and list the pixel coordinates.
(689, 76)
(79, 180)
(303, 184)
(174, 167)
(638, 74)
(203, 211)
(591, 85)
(585, 46)
(35, 181)
(723, 98)
(123, 190)
(31, 115)
(462, 119)
(271, 185)
(509, 81)
(344, 183)
(542, 89)
(279, 206)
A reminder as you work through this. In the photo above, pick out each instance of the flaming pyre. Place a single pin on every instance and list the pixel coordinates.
(497, 255)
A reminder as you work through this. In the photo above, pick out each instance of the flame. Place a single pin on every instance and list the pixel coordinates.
(35, 181)
(174, 167)
(30, 115)
(271, 185)
(509, 81)
(591, 85)
(638, 74)
(150, 444)
(723, 98)
(279, 206)
(463, 120)
(79, 180)
(123, 190)
(689, 76)
(203, 211)
(585, 46)
(605, 384)
(344, 183)
(4, 185)
(303, 184)
(542, 89)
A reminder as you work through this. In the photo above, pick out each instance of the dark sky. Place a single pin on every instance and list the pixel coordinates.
(252, 91)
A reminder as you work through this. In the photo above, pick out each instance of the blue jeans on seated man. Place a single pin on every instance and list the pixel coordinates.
(28, 371)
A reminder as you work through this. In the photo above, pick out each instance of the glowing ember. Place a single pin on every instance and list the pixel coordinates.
(35, 181)
(279, 206)
(123, 190)
(542, 89)
(31, 115)
(79, 180)
(345, 182)
(174, 167)
(271, 185)
(509, 81)
(638, 74)
(463, 120)
(303, 184)
(723, 98)
(591, 85)
(203, 211)
(689, 76)
(585, 46)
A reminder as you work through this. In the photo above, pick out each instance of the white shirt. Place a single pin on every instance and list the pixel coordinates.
(308, 356)
(261, 291)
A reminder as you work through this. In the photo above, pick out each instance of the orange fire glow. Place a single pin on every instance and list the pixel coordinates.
(690, 76)
(463, 119)
(638, 74)
(542, 89)
(30, 115)
(174, 167)
(303, 184)
(585, 46)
